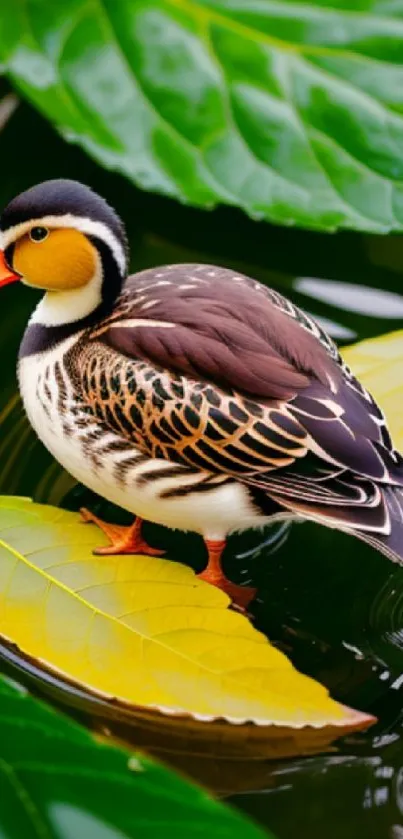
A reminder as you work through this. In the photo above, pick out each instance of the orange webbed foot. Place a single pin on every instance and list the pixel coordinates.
(241, 596)
(124, 540)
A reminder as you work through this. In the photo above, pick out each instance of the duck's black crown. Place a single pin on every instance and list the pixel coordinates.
(57, 198)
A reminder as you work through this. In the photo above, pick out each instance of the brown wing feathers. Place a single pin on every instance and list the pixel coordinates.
(217, 372)
(225, 332)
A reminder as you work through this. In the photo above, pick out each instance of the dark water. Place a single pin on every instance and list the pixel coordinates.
(332, 604)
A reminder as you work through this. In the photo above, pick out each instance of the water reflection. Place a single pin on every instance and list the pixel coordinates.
(374, 302)
(337, 610)
(332, 796)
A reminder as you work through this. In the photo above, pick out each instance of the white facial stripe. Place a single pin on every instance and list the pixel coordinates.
(85, 225)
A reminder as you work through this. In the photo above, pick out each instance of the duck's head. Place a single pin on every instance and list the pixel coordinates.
(59, 236)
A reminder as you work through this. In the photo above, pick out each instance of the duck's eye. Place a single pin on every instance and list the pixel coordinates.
(38, 234)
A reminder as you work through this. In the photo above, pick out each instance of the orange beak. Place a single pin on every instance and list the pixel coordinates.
(6, 274)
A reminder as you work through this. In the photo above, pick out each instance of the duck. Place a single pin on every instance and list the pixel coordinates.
(189, 395)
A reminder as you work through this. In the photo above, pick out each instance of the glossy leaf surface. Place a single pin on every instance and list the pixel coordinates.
(292, 111)
(57, 782)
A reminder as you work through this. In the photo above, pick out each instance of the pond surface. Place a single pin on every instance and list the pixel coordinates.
(331, 603)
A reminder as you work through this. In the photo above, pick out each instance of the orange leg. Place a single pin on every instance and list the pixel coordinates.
(124, 540)
(240, 595)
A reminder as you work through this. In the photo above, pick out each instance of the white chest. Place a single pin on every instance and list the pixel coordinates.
(79, 441)
(49, 403)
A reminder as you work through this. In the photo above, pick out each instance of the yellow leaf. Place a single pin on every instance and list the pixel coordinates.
(378, 364)
(146, 631)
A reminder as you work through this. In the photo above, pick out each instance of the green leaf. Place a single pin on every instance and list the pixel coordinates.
(57, 782)
(292, 111)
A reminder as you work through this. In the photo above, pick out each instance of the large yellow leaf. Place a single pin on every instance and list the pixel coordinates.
(147, 632)
(378, 363)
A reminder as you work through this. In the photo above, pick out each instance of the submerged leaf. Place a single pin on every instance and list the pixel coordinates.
(57, 781)
(147, 632)
(292, 111)
(378, 363)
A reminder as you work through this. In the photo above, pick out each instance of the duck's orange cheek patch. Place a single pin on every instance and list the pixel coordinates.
(65, 260)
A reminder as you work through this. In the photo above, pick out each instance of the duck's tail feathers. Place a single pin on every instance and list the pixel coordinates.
(373, 512)
(389, 539)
